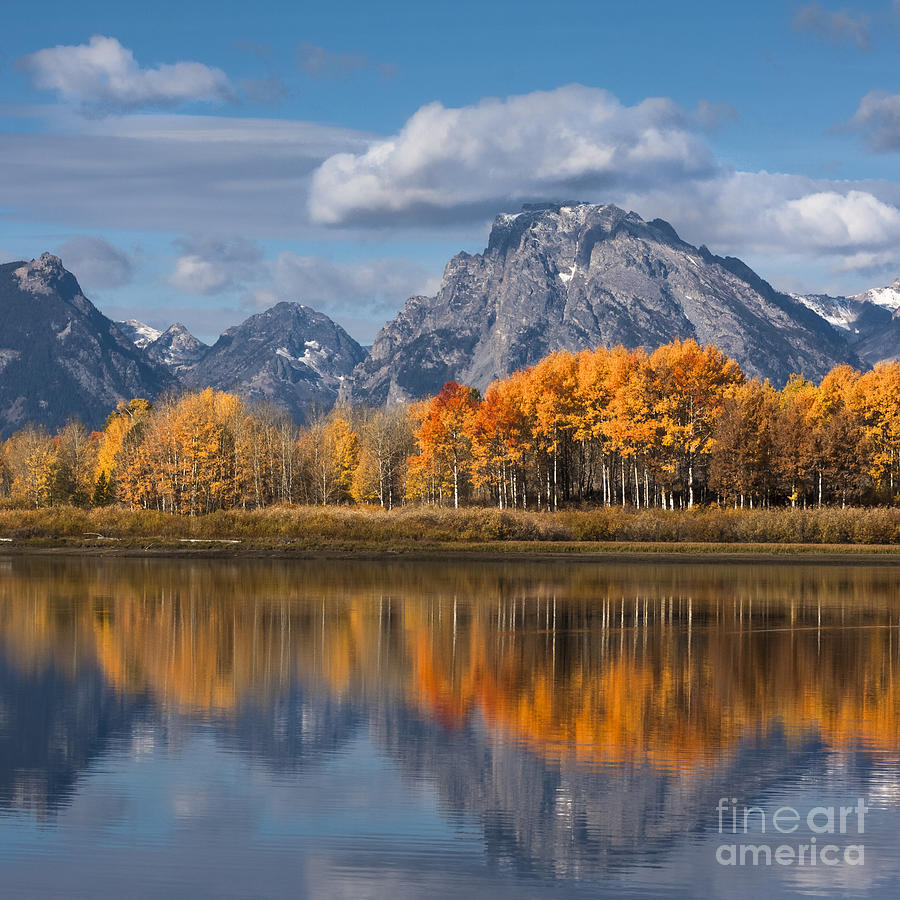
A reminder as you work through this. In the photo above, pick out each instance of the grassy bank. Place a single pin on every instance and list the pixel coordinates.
(311, 528)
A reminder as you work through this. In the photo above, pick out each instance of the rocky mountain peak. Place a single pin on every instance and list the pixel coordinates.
(577, 275)
(46, 275)
(61, 357)
(289, 354)
(886, 297)
(176, 349)
(139, 333)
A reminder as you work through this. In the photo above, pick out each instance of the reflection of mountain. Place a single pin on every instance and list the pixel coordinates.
(292, 729)
(52, 726)
(571, 712)
(569, 820)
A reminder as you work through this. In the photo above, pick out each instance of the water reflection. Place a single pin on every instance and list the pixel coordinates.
(580, 722)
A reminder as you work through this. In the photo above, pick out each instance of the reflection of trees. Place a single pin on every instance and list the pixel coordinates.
(655, 672)
(598, 667)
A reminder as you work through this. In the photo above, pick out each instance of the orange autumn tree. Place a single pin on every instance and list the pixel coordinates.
(186, 461)
(630, 425)
(689, 386)
(796, 442)
(554, 404)
(118, 446)
(879, 408)
(741, 458)
(608, 425)
(30, 456)
(499, 441)
(445, 434)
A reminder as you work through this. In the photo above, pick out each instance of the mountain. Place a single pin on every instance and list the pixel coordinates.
(887, 297)
(575, 276)
(138, 333)
(176, 349)
(60, 357)
(290, 355)
(870, 320)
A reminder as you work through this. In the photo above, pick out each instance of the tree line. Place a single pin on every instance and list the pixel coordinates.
(673, 428)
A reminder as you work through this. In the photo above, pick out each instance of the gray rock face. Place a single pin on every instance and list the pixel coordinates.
(577, 276)
(176, 349)
(878, 335)
(290, 355)
(60, 357)
(870, 320)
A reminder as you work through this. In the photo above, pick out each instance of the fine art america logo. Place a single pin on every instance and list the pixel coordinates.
(818, 836)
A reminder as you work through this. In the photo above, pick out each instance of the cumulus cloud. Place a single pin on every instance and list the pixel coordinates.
(468, 164)
(96, 263)
(840, 27)
(454, 164)
(762, 214)
(104, 74)
(839, 223)
(211, 265)
(878, 119)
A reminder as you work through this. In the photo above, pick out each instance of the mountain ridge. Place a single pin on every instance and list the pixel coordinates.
(571, 277)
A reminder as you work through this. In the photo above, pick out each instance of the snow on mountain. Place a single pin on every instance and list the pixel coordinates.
(177, 349)
(842, 312)
(289, 355)
(888, 297)
(139, 333)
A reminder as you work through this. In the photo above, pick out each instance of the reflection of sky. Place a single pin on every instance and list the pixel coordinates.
(201, 819)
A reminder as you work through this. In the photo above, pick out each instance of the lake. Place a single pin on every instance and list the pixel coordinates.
(221, 728)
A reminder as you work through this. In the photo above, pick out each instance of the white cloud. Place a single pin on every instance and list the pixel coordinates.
(581, 143)
(96, 263)
(448, 164)
(103, 73)
(213, 265)
(839, 223)
(771, 215)
(878, 118)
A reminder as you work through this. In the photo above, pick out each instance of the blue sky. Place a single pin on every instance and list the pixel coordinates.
(199, 161)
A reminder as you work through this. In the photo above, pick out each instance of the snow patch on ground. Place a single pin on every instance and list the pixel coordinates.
(8, 356)
(566, 277)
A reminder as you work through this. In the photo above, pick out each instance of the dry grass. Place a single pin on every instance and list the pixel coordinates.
(309, 527)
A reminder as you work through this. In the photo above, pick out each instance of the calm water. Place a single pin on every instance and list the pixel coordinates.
(279, 729)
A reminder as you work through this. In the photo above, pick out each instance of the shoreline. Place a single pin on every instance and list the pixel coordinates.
(689, 552)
